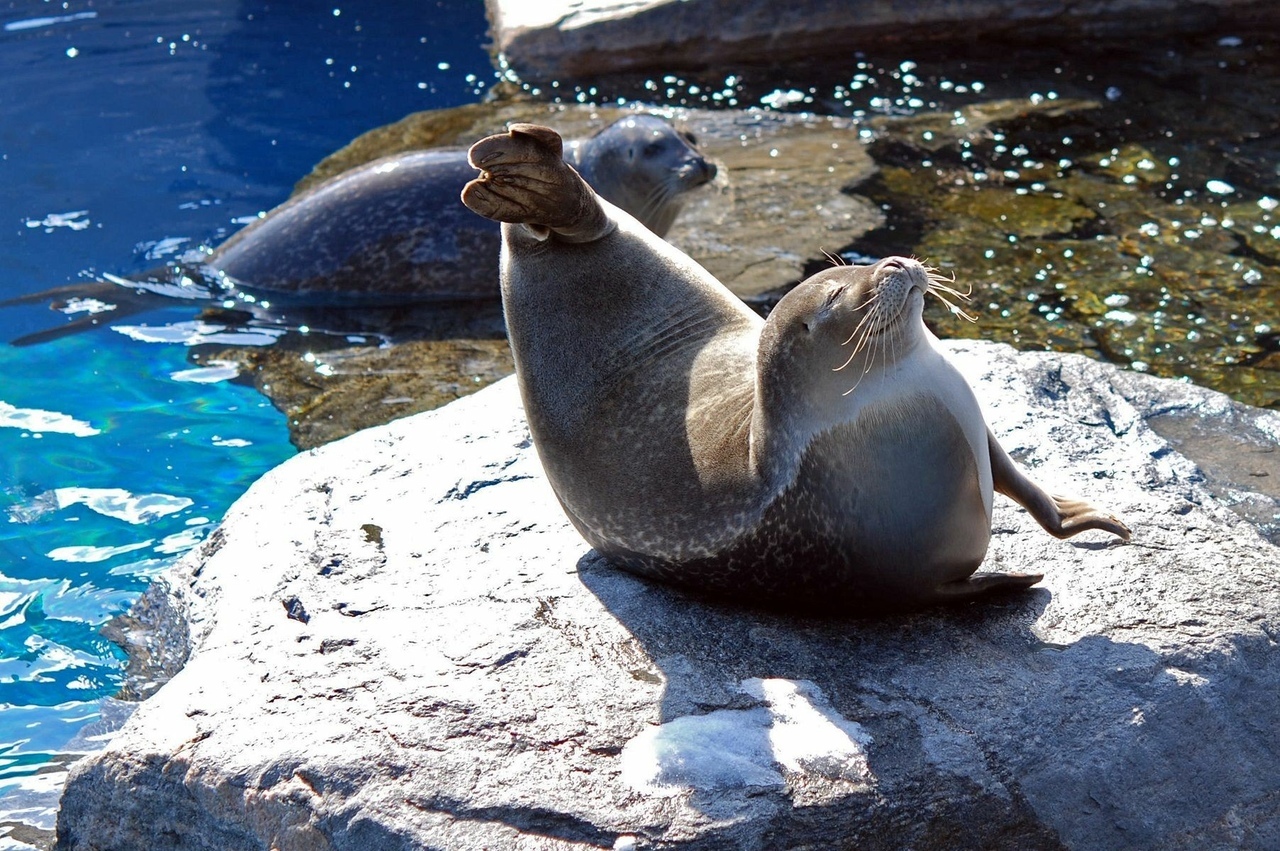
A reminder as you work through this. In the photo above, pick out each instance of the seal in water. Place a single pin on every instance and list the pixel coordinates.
(391, 231)
(828, 458)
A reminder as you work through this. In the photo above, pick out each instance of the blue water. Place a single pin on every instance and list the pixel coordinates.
(130, 131)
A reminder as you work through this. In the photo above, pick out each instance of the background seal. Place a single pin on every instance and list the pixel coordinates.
(390, 232)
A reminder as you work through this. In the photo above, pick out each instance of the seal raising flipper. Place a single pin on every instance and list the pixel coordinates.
(526, 181)
(828, 458)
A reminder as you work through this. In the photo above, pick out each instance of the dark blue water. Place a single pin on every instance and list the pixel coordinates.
(130, 131)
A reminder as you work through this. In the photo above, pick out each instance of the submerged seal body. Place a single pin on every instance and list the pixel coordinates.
(828, 458)
(392, 230)
(391, 233)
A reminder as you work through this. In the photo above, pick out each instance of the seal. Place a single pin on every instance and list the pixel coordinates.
(391, 233)
(828, 458)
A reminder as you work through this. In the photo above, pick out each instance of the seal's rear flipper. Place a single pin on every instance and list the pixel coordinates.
(524, 180)
(84, 323)
(1061, 516)
(984, 585)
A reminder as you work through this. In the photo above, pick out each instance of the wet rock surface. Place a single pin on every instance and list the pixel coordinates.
(397, 641)
(554, 41)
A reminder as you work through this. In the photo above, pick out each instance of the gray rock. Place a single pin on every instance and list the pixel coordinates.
(555, 41)
(469, 675)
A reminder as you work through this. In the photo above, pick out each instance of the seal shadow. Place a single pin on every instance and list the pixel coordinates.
(964, 713)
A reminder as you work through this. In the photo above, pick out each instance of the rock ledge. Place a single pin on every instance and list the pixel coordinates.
(398, 642)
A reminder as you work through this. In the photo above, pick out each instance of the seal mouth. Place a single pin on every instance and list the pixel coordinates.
(697, 172)
(898, 278)
(889, 305)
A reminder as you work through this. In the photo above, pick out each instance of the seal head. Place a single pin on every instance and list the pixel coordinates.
(643, 165)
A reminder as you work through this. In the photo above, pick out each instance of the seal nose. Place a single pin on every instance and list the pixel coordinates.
(697, 171)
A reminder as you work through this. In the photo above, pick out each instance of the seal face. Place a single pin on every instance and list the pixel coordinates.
(828, 458)
(642, 165)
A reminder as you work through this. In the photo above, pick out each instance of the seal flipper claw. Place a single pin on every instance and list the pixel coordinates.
(1061, 516)
(525, 181)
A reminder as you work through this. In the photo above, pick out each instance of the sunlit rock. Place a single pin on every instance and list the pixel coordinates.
(397, 641)
(558, 39)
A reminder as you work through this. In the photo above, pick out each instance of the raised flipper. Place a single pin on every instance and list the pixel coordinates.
(524, 180)
(1061, 516)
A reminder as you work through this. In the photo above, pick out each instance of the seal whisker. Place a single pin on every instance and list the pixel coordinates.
(889, 346)
(963, 296)
(940, 286)
(939, 281)
(864, 335)
(954, 308)
(876, 343)
(657, 198)
(868, 316)
(942, 292)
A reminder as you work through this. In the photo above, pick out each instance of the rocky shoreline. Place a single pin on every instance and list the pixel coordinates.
(396, 640)
(558, 41)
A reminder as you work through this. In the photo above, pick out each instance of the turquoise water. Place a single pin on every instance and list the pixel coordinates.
(129, 133)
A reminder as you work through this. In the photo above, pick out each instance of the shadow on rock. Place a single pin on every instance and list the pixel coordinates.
(947, 728)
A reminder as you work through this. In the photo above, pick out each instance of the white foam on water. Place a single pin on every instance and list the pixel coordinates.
(119, 503)
(38, 421)
(46, 21)
(92, 555)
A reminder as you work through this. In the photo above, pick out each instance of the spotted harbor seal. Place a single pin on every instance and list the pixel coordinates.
(830, 457)
(391, 232)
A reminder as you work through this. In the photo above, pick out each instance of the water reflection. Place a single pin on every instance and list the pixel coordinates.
(150, 127)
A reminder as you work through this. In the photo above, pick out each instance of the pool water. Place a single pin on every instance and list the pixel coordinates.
(130, 132)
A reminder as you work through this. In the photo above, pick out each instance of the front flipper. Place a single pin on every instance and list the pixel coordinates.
(118, 301)
(524, 180)
(1061, 516)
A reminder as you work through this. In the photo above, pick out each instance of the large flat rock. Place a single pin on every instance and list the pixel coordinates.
(568, 39)
(397, 641)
